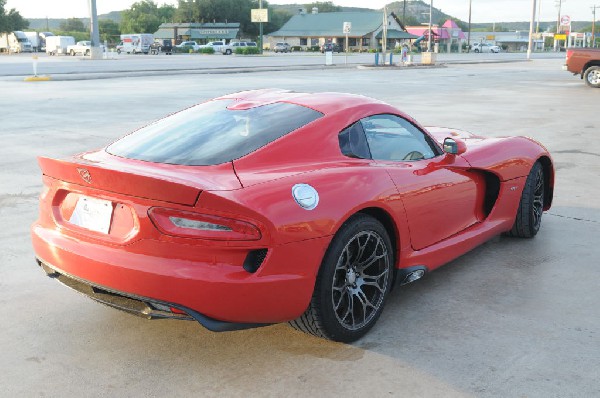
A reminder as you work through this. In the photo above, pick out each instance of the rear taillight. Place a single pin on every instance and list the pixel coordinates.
(205, 226)
(569, 53)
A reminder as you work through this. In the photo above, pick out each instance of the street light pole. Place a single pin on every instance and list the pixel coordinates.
(95, 52)
(531, 25)
(594, 25)
(430, 14)
(260, 29)
(469, 37)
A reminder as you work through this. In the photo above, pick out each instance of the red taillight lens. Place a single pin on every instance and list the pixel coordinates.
(569, 53)
(205, 226)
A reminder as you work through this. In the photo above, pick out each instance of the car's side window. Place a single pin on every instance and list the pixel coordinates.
(353, 143)
(391, 137)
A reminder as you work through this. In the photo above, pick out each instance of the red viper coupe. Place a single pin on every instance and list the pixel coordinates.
(269, 206)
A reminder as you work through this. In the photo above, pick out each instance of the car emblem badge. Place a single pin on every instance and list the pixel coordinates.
(85, 175)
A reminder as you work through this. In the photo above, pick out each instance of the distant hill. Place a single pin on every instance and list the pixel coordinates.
(295, 8)
(50, 24)
(414, 8)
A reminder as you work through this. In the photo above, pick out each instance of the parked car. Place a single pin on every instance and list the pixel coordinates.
(584, 62)
(81, 47)
(485, 48)
(282, 47)
(235, 45)
(209, 215)
(186, 45)
(161, 46)
(215, 45)
(333, 47)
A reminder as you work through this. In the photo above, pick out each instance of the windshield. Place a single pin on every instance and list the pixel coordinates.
(209, 133)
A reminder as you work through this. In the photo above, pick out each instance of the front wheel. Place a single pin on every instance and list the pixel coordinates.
(592, 76)
(529, 216)
(353, 282)
(72, 53)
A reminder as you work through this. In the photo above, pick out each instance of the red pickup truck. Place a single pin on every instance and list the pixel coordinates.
(586, 63)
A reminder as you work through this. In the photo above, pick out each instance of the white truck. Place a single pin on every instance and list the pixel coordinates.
(135, 43)
(38, 40)
(14, 42)
(58, 44)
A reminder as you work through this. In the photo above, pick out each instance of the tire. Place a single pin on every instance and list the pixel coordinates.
(228, 52)
(87, 52)
(119, 52)
(529, 216)
(353, 282)
(476, 50)
(592, 76)
(72, 53)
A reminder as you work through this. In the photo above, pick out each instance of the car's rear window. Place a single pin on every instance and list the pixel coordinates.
(209, 133)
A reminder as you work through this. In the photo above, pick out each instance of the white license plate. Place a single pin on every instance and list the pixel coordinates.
(93, 214)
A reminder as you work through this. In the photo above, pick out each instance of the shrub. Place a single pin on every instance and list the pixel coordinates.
(314, 48)
(185, 49)
(206, 50)
(296, 48)
(247, 50)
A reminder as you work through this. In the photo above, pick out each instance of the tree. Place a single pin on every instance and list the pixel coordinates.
(323, 6)
(73, 25)
(219, 11)
(276, 20)
(145, 17)
(109, 30)
(11, 20)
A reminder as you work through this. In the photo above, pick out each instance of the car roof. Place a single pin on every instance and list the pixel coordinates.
(324, 102)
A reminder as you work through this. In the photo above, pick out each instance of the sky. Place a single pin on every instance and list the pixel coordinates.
(481, 10)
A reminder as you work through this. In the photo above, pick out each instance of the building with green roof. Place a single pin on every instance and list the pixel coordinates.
(201, 32)
(315, 29)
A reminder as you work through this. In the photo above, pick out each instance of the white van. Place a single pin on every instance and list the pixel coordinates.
(135, 43)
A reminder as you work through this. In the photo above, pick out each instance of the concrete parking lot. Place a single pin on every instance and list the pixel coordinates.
(513, 318)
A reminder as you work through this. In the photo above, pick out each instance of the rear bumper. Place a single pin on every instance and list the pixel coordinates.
(161, 273)
(141, 306)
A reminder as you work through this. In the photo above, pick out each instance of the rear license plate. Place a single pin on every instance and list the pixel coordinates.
(93, 214)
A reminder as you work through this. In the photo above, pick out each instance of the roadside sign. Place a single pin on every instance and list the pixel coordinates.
(347, 27)
(560, 37)
(259, 15)
(565, 20)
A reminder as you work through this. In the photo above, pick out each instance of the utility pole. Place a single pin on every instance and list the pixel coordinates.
(95, 51)
(594, 25)
(556, 42)
(260, 29)
(469, 37)
(430, 14)
(531, 24)
(558, 19)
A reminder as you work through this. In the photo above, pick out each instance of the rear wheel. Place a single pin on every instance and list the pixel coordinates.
(353, 282)
(529, 216)
(592, 76)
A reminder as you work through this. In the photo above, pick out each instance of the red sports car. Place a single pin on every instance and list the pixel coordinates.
(269, 206)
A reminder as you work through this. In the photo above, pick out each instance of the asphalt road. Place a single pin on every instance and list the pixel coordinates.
(513, 318)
